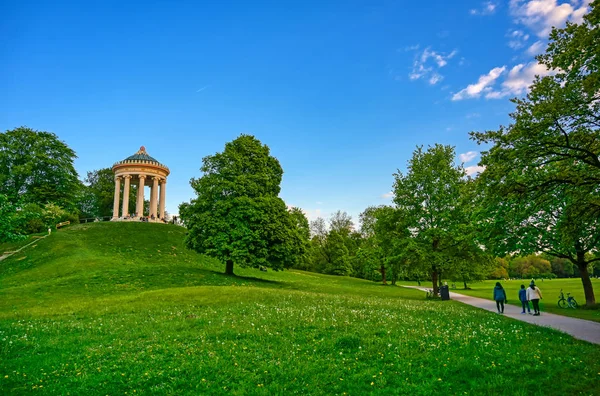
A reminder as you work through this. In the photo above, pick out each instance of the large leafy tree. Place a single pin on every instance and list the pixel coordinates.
(402, 256)
(543, 170)
(237, 215)
(319, 254)
(428, 197)
(303, 228)
(98, 198)
(370, 256)
(558, 122)
(339, 256)
(101, 184)
(7, 220)
(36, 167)
(523, 221)
(333, 246)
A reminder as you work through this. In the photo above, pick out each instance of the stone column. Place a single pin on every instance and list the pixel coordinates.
(140, 197)
(153, 196)
(126, 188)
(163, 192)
(117, 195)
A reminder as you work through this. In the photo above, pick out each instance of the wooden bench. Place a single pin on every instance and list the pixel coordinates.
(64, 223)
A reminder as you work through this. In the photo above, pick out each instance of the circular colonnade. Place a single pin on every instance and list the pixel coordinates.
(140, 170)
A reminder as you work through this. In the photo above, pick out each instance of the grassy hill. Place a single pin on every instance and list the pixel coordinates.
(124, 308)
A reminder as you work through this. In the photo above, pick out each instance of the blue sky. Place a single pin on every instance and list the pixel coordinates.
(342, 92)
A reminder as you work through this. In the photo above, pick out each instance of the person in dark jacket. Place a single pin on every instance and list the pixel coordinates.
(499, 297)
(524, 301)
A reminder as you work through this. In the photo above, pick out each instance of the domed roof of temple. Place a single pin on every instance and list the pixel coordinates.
(141, 157)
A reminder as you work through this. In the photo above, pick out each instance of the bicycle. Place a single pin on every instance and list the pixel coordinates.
(569, 302)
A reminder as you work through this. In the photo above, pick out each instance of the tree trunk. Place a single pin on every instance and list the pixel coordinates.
(588, 289)
(418, 281)
(465, 283)
(229, 267)
(434, 270)
(382, 269)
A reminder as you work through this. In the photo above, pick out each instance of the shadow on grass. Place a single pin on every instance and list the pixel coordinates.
(245, 278)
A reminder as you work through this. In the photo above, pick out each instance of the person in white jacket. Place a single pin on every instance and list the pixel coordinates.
(534, 294)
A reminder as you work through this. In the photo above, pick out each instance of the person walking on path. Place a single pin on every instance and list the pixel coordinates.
(523, 298)
(499, 297)
(534, 294)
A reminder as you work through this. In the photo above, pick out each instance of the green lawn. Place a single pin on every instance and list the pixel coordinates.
(93, 310)
(550, 291)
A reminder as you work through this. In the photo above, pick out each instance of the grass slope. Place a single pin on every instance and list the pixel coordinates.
(124, 309)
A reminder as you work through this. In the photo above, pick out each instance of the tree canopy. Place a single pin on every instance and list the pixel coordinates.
(36, 167)
(431, 200)
(540, 186)
(237, 215)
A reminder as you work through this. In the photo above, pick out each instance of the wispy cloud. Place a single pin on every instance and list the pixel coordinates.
(536, 48)
(517, 82)
(483, 85)
(536, 18)
(388, 195)
(487, 8)
(427, 64)
(435, 78)
(468, 156)
(517, 39)
(412, 47)
(313, 214)
(203, 88)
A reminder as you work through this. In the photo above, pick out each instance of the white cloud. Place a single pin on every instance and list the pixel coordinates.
(388, 195)
(483, 85)
(471, 170)
(435, 78)
(313, 214)
(487, 8)
(517, 39)
(517, 82)
(468, 156)
(427, 64)
(521, 77)
(472, 115)
(536, 48)
(541, 15)
(412, 47)
(496, 94)
(577, 16)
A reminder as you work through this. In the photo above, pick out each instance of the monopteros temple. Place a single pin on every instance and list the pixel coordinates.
(141, 170)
